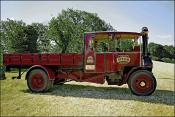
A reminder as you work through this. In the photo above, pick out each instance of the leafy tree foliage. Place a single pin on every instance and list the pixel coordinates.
(170, 51)
(126, 44)
(43, 41)
(11, 34)
(16, 36)
(162, 53)
(67, 29)
(31, 37)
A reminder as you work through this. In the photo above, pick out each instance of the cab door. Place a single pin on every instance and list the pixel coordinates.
(94, 61)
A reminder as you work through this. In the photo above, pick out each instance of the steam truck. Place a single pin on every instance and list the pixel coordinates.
(113, 56)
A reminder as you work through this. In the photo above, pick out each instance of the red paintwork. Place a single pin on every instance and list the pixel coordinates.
(55, 64)
(43, 59)
(148, 84)
(37, 81)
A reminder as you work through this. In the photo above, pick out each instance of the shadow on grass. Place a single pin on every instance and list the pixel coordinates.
(116, 93)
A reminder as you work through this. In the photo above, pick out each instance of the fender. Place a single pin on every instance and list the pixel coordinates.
(128, 74)
(48, 71)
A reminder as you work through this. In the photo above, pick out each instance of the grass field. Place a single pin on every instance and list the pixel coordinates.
(80, 99)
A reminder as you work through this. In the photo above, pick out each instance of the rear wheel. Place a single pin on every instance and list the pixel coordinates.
(142, 83)
(38, 81)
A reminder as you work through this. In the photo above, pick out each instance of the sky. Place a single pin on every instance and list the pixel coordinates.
(158, 16)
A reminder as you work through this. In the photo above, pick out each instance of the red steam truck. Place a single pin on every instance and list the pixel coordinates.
(117, 57)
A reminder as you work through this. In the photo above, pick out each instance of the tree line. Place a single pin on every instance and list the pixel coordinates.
(63, 34)
(164, 53)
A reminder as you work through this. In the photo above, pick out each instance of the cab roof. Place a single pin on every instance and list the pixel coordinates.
(115, 34)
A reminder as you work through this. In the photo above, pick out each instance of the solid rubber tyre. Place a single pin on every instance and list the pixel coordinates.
(38, 81)
(142, 83)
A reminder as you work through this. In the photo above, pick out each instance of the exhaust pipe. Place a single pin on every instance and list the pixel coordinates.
(145, 40)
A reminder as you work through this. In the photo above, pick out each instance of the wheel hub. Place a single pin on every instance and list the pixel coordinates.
(142, 83)
(37, 81)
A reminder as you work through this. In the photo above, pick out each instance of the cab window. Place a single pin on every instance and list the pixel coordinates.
(113, 45)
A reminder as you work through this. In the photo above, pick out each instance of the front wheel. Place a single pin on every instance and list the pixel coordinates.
(38, 81)
(142, 83)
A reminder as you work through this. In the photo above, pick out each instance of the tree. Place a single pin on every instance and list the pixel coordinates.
(2, 48)
(156, 49)
(126, 44)
(66, 30)
(171, 51)
(31, 37)
(10, 32)
(18, 37)
(12, 35)
(165, 53)
(43, 41)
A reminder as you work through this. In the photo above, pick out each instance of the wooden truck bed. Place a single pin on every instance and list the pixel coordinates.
(54, 59)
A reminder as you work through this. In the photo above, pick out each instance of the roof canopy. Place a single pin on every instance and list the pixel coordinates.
(115, 35)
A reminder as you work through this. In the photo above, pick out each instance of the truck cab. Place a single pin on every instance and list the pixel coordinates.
(108, 52)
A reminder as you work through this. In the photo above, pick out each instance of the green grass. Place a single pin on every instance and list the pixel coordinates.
(82, 99)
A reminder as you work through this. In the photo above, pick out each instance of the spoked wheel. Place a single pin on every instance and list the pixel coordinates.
(142, 83)
(38, 81)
